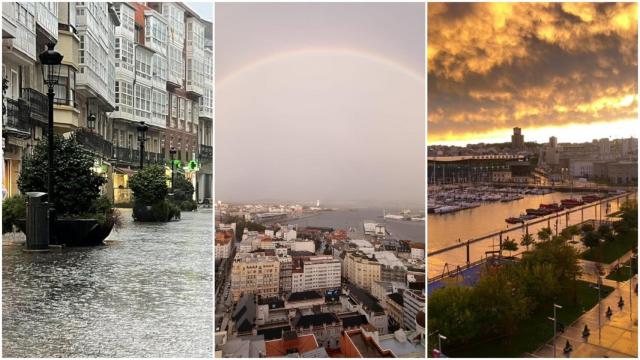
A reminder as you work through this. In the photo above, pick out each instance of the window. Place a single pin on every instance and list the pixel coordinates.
(174, 106)
(124, 96)
(143, 101)
(143, 63)
(182, 109)
(65, 88)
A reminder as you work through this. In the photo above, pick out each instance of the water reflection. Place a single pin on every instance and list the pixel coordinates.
(147, 293)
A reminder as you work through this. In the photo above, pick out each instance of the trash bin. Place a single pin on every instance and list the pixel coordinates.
(37, 224)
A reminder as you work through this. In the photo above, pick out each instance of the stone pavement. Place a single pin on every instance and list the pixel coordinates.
(617, 337)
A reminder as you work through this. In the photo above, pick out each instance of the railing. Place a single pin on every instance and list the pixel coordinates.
(132, 156)
(37, 103)
(16, 121)
(94, 142)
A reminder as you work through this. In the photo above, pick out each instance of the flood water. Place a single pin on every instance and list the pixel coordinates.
(146, 293)
(446, 229)
(354, 218)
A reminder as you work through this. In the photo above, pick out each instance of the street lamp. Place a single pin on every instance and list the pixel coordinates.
(91, 122)
(50, 61)
(172, 153)
(440, 338)
(599, 308)
(142, 137)
(555, 327)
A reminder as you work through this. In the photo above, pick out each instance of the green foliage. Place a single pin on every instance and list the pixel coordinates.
(13, 208)
(241, 224)
(587, 227)
(544, 234)
(452, 311)
(149, 185)
(75, 185)
(182, 188)
(591, 239)
(630, 214)
(509, 245)
(188, 205)
(606, 232)
(527, 240)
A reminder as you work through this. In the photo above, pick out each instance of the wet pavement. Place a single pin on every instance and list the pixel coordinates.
(617, 338)
(146, 293)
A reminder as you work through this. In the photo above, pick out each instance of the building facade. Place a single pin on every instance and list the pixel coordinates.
(255, 274)
(413, 302)
(361, 269)
(321, 273)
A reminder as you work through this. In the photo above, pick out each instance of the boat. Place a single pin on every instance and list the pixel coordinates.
(539, 212)
(527, 217)
(570, 203)
(591, 198)
(513, 220)
(554, 207)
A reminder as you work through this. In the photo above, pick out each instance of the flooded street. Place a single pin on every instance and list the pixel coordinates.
(146, 293)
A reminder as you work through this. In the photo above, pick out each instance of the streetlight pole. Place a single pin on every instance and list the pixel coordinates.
(50, 60)
(142, 134)
(555, 327)
(440, 338)
(599, 309)
(172, 152)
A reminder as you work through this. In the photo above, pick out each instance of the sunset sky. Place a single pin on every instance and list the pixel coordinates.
(564, 69)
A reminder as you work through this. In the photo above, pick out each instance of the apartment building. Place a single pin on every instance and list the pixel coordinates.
(83, 34)
(223, 243)
(205, 133)
(286, 267)
(321, 272)
(413, 301)
(361, 269)
(255, 273)
(123, 63)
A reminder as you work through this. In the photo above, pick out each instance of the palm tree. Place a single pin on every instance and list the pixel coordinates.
(544, 234)
(526, 240)
(509, 245)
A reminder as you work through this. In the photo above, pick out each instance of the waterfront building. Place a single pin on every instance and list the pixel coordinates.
(363, 245)
(361, 269)
(256, 274)
(413, 302)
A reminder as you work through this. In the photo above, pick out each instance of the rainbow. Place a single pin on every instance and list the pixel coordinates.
(360, 54)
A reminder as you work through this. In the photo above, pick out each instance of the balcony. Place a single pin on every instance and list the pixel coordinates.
(132, 156)
(37, 104)
(94, 143)
(16, 122)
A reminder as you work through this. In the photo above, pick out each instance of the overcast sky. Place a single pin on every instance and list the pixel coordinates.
(562, 69)
(320, 101)
(203, 8)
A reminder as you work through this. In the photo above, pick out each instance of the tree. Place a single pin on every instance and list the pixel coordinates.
(13, 209)
(149, 185)
(591, 239)
(544, 234)
(587, 227)
(182, 188)
(526, 240)
(76, 186)
(605, 232)
(452, 312)
(509, 245)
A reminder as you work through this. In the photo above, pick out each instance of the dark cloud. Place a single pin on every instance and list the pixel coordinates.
(495, 66)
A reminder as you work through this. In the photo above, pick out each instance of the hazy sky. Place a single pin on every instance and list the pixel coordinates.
(564, 69)
(203, 8)
(320, 101)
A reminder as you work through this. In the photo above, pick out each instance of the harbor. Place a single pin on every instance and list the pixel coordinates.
(475, 240)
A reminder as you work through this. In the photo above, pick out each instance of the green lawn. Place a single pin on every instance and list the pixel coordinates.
(622, 274)
(537, 330)
(609, 251)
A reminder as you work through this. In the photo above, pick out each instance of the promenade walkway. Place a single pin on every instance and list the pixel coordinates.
(618, 337)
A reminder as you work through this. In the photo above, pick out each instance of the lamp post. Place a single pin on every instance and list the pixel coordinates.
(555, 327)
(172, 153)
(440, 338)
(91, 122)
(599, 308)
(50, 61)
(142, 137)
